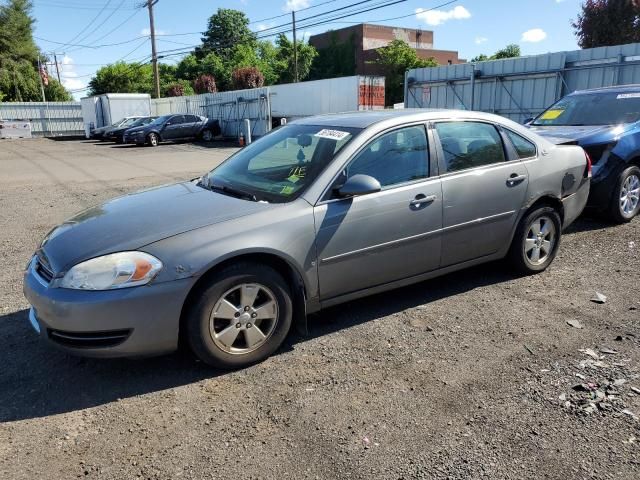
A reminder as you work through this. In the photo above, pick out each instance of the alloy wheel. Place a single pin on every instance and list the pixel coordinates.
(629, 195)
(244, 318)
(540, 241)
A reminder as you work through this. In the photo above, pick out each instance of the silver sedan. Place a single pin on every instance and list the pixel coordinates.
(318, 212)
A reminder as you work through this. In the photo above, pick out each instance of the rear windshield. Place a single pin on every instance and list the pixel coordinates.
(593, 109)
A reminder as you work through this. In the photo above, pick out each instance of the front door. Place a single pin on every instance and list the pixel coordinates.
(174, 128)
(393, 234)
(482, 189)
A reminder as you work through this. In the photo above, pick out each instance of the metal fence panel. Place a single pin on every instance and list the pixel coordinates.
(520, 88)
(48, 119)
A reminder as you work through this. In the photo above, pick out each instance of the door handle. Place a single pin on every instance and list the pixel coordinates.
(422, 199)
(515, 179)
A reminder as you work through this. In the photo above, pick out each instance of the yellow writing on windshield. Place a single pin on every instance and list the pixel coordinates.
(551, 114)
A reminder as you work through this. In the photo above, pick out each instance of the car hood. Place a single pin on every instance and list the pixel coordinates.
(137, 129)
(581, 135)
(133, 221)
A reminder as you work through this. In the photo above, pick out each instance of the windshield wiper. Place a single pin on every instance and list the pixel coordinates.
(234, 192)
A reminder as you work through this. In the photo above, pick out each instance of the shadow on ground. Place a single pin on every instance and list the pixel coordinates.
(37, 380)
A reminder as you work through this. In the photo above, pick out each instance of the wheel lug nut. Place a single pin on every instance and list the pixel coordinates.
(238, 325)
(237, 314)
(254, 315)
(246, 309)
(248, 325)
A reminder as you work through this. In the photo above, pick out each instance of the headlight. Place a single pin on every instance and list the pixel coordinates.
(118, 270)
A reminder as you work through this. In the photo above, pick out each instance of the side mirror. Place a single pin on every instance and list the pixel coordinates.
(359, 185)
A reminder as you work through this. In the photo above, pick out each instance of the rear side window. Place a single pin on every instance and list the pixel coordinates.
(177, 119)
(469, 144)
(192, 118)
(524, 147)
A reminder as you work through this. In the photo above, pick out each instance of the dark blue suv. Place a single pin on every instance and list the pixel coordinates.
(606, 123)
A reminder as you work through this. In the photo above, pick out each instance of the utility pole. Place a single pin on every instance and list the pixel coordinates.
(55, 59)
(154, 54)
(295, 48)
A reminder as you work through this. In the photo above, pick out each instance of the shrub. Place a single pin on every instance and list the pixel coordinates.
(247, 77)
(175, 90)
(205, 84)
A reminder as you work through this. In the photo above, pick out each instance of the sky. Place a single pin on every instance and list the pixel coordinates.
(88, 34)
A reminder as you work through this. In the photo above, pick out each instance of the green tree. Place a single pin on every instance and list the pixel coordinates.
(122, 77)
(55, 92)
(510, 51)
(396, 58)
(602, 23)
(306, 54)
(19, 56)
(227, 28)
(336, 60)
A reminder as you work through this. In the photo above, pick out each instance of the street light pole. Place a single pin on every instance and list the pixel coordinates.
(154, 54)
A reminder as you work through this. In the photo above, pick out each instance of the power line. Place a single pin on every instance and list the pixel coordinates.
(103, 22)
(138, 10)
(90, 23)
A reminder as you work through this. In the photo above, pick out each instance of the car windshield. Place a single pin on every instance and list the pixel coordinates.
(142, 121)
(128, 122)
(592, 109)
(161, 119)
(279, 166)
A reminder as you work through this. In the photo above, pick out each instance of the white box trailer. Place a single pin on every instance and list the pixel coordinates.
(103, 110)
(332, 95)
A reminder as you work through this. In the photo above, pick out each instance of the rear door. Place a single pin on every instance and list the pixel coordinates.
(483, 189)
(389, 235)
(192, 125)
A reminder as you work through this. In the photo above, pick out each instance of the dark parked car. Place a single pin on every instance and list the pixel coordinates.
(316, 213)
(117, 134)
(173, 127)
(606, 123)
(99, 133)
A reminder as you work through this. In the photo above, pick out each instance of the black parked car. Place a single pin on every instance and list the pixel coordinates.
(173, 127)
(117, 134)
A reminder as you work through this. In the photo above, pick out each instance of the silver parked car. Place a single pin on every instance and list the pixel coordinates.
(318, 212)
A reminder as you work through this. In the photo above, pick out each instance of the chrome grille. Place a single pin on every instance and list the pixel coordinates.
(43, 271)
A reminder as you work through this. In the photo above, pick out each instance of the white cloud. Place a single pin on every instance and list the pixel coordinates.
(295, 5)
(68, 74)
(481, 40)
(264, 26)
(438, 17)
(145, 32)
(534, 35)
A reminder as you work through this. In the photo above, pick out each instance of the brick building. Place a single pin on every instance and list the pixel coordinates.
(366, 38)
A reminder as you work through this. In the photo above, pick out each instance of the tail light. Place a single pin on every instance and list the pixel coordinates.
(587, 170)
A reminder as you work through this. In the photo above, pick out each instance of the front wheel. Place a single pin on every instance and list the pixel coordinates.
(241, 317)
(153, 140)
(536, 241)
(625, 203)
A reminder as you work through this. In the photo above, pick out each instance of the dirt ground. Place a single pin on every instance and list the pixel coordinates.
(473, 375)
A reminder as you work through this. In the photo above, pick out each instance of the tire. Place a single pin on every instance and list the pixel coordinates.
(153, 140)
(219, 328)
(207, 135)
(522, 254)
(628, 187)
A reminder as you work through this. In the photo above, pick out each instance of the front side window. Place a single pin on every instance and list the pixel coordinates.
(469, 145)
(524, 148)
(177, 120)
(396, 157)
(279, 166)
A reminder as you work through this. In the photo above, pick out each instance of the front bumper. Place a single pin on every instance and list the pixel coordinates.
(129, 322)
(574, 204)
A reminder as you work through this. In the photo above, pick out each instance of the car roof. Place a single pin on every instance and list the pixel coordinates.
(613, 89)
(364, 119)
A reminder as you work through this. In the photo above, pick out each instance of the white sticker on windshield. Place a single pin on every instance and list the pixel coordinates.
(622, 96)
(332, 134)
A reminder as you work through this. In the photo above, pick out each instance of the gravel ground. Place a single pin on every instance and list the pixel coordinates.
(472, 375)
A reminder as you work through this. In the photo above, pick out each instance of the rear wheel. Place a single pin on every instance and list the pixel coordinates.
(153, 140)
(207, 135)
(241, 317)
(536, 241)
(625, 203)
